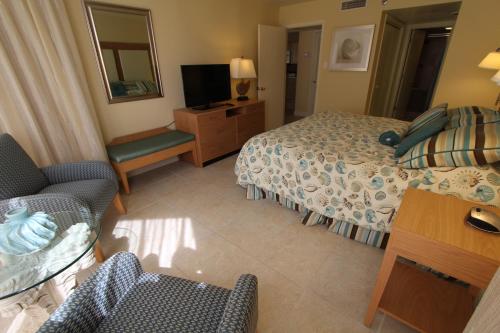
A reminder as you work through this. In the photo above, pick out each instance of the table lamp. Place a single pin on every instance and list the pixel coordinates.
(496, 78)
(492, 61)
(242, 68)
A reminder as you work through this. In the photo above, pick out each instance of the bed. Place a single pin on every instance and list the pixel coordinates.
(331, 168)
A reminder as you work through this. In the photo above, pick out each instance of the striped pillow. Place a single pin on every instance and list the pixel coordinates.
(461, 146)
(471, 115)
(426, 117)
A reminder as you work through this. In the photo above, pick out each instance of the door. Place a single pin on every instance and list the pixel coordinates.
(417, 40)
(384, 87)
(271, 73)
(314, 71)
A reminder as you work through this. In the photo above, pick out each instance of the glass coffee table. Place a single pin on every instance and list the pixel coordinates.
(46, 277)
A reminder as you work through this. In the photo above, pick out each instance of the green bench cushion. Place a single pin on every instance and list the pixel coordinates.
(130, 150)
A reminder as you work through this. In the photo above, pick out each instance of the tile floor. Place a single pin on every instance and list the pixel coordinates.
(196, 223)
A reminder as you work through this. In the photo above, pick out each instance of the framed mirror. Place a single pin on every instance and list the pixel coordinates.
(125, 48)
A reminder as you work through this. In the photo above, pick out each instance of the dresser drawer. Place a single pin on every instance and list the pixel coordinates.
(250, 124)
(223, 130)
(259, 107)
(215, 149)
(209, 120)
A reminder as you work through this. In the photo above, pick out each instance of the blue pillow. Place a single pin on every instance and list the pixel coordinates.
(426, 117)
(389, 138)
(431, 128)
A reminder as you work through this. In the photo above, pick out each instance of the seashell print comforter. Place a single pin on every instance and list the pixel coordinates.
(333, 164)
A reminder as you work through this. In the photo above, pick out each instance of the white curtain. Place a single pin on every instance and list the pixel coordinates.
(45, 103)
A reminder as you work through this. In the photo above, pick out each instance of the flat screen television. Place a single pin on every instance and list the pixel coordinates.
(205, 85)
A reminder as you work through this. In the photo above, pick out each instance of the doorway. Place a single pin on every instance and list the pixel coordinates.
(412, 49)
(302, 58)
(423, 63)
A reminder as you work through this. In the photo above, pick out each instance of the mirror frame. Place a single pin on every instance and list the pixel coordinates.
(153, 57)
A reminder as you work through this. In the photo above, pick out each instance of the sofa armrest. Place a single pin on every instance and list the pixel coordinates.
(240, 314)
(85, 170)
(49, 203)
(95, 299)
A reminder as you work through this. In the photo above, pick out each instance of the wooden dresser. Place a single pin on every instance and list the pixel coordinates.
(223, 129)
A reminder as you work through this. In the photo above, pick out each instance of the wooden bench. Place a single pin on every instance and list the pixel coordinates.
(134, 151)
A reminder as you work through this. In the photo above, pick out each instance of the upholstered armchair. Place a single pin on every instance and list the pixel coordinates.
(120, 297)
(88, 187)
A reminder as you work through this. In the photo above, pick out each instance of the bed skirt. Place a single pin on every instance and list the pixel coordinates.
(346, 229)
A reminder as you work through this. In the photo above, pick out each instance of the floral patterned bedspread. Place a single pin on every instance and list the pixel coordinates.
(333, 164)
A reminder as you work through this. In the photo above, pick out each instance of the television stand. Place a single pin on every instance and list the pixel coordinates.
(204, 107)
(223, 129)
(210, 106)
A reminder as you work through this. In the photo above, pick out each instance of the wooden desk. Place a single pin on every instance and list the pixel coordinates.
(430, 229)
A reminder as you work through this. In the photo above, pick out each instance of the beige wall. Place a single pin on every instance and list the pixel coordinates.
(461, 82)
(186, 32)
(477, 32)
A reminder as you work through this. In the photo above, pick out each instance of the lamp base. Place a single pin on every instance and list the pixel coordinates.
(242, 98)
(242, 87)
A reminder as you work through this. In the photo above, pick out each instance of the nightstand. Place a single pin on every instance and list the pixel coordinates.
(430, 229)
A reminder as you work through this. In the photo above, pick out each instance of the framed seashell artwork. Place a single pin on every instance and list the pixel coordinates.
(351, 48)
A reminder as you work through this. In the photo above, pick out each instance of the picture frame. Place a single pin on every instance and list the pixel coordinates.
(351, 48)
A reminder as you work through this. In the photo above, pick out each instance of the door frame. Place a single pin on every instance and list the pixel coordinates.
(317, 44)
(320, 23)
(387, 18)
(404, 44)
(375, 61)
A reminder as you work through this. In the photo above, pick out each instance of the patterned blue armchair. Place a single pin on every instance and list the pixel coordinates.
(120, 297)
(88, 186)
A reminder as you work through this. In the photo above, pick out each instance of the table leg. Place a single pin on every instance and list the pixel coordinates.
(10, 307)
(26, 306)
(117, 201)
(382, 279)
(99, 255)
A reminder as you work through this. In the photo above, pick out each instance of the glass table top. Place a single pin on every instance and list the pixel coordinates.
(75, 235)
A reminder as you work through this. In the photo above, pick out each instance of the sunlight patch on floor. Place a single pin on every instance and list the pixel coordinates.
(160, 237)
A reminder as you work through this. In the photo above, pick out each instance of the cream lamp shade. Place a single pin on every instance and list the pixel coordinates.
(491, 61)
(242, 68)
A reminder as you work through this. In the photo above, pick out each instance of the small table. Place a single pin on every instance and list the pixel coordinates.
(45, 278)
(430, 229)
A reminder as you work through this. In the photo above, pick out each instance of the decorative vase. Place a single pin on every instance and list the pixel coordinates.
(23, 234)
